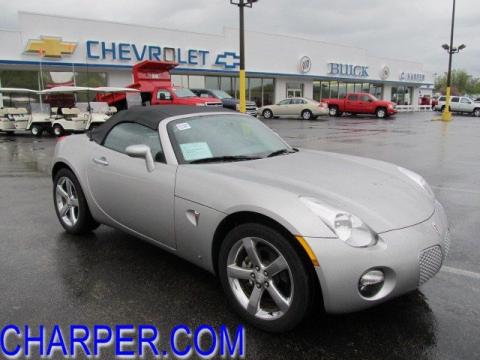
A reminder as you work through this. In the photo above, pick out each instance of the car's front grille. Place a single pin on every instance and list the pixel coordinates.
(214, 104)
(430, 263)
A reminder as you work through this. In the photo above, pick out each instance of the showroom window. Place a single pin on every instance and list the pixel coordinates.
(260, 90)
(402, 95)
(335, 89)
(46, 79)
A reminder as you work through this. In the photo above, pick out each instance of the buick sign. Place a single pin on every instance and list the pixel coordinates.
(348, 70)
(304, 64)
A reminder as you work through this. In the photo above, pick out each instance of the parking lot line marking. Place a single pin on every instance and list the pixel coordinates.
(462, 272)
(456, 189)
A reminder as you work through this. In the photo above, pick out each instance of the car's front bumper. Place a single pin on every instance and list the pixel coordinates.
(408, 257)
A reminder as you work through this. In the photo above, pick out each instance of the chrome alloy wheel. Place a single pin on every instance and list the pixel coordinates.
(66, 199)
(260, 278)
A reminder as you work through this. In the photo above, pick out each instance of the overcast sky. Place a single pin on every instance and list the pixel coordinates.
(400, 29)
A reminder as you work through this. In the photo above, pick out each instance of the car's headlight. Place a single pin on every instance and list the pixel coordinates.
(346, 226)
(237, 107)
(420, 181)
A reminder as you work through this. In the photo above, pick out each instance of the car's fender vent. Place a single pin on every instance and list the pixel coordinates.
(430, 263)
(446, 245)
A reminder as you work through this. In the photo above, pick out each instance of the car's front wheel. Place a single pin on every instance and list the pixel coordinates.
(264, 277)
(267, 114)
(476, 112)
(381, 113)
(70, 204)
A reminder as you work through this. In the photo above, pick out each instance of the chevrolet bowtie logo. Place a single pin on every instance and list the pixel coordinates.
(229, 60)
(50, 46)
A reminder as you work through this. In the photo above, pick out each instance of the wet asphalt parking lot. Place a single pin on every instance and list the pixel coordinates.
(48, 277)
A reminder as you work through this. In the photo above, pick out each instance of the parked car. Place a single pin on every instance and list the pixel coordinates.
(228, 101)
(459, 104)
(278, 225)
(361, 103)
(307, 109)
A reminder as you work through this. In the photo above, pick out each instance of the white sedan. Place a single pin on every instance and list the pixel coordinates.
(307, 109)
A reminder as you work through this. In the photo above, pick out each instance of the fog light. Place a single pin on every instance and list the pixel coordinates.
(371, 283)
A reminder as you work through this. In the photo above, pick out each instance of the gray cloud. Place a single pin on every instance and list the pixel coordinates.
(408, 29)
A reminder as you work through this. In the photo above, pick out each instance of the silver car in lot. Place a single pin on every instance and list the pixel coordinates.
(286, 230)
(307, 109)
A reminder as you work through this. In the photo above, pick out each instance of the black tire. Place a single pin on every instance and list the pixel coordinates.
(85, 222)
(307, 115)
(381, 113)
(267, 114)
(36, 130)
(333, 111)
(476, 112)
(58, 130)
(304, 287)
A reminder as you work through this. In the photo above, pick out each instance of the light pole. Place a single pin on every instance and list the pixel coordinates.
(447, 115)
(241, 6)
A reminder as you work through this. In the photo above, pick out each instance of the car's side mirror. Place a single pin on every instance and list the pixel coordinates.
(370, 100)
(142, 151)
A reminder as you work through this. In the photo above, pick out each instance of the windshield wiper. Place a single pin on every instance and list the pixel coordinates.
(224, 159)
(282, 152)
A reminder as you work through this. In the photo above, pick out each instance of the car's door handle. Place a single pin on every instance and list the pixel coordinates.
(101, 161)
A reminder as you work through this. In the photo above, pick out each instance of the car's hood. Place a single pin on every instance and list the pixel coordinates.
(375, 191)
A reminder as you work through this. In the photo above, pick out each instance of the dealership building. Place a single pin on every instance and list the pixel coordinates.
(50, 50)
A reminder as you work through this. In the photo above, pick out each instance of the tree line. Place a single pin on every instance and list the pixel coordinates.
(462, 83)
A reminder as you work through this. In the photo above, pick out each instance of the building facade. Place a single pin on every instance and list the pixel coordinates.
(50, 50)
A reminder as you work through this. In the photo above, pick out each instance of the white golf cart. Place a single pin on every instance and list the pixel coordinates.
(23, 114)
(84, 115)
(68, 118)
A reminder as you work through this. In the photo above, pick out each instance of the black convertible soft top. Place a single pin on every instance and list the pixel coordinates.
(149, 116)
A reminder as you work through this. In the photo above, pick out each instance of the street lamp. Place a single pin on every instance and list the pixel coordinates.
(241, 5)
(447, 115)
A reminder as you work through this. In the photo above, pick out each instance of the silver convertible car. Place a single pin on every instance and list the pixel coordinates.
(286, 230)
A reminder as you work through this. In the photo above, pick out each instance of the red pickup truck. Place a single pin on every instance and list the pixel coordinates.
(361, 103)
(153, 79)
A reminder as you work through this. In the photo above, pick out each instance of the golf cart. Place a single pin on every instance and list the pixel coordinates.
(73, 116)
(23, 114)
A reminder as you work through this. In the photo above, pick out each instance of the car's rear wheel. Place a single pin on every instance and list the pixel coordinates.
(333, 111)
(264, 277)
(476, 112)
(267, 114)
(70, 204)
(307, 115)
(381, 113)
(58, 130)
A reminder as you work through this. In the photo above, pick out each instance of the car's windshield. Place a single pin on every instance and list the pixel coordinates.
(223, 137)
(184, 93)
(221, 94)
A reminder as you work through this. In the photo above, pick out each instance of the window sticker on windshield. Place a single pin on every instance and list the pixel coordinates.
(183, 126)
(195, 151)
